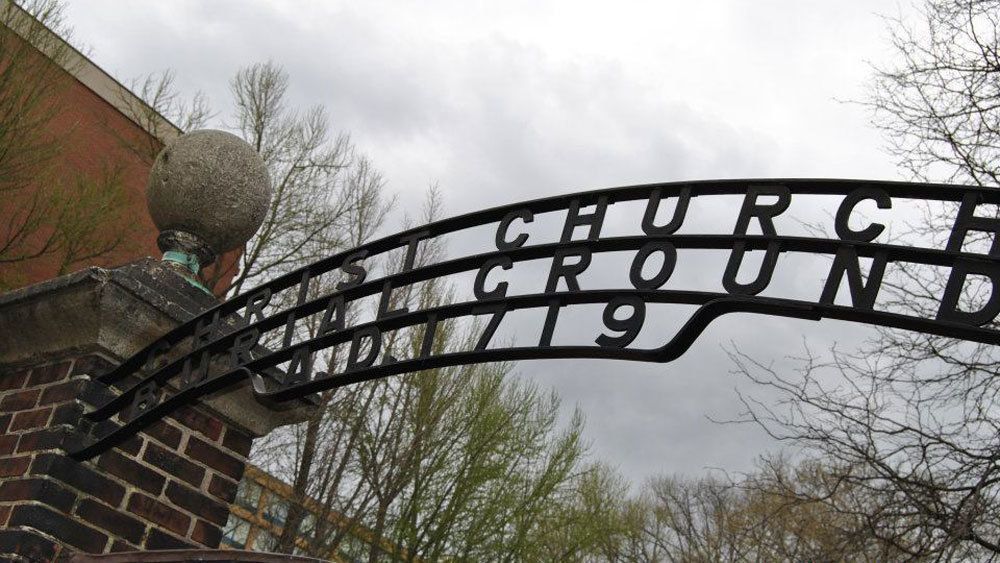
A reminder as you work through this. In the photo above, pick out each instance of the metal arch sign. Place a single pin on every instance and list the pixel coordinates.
(228, 335)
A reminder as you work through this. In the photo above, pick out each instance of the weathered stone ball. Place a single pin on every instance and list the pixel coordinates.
(210, 184)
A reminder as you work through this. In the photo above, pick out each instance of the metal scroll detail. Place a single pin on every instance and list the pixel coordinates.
(159, 380)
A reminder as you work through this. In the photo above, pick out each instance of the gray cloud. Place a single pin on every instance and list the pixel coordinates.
(517, 100)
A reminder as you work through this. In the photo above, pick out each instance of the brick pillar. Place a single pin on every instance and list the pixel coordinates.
(166, 488)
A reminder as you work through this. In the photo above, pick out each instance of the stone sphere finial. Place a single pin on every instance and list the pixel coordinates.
(208, 193)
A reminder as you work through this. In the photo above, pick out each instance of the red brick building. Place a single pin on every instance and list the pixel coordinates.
(104, 129)
(171, 486)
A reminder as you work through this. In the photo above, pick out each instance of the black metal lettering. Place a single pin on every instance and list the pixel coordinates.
(863, 294)
(763, 277)
(299, 367)
(575, 219)
(479, 286)
(630, 326)
(333, 316)
(430, 328)
(299, 299)
(191, 376)
(256, 303)
(666, 269)
(549, 328)
(385, 301)
(977, 321)
(498, 312)
(764, 213)
(967, 221)
(235, 320)
(243, 344)
(356, 271)
(501, 239)
(372, 333)
(844, 231)
(953, 293)
(205, 330)
(649, 217)
(412, 241)
(567, 272)
(153, 359)
(146, 397)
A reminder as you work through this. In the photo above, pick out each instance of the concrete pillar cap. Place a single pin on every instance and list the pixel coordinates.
(208, 193)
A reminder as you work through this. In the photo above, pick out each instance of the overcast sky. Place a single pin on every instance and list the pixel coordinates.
(498, 102)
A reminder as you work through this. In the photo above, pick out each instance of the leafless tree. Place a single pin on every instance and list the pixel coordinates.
(937, 101)
(909, 423)
(312, 175)
(154, 103)
(923, 470)
(760, 516)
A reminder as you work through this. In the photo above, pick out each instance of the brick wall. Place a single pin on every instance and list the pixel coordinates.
(95, 137)
(167, 488)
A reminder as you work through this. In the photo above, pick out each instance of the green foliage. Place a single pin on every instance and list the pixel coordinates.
(462, 462)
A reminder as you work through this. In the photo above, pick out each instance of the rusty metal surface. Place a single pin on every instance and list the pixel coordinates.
(186, 555)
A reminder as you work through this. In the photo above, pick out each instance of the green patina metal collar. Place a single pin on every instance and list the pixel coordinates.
(190, 263)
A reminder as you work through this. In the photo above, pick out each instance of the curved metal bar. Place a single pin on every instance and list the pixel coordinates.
(122, 433)
(114, 405)
(905, 190)
(711, 306)
(468, 263)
